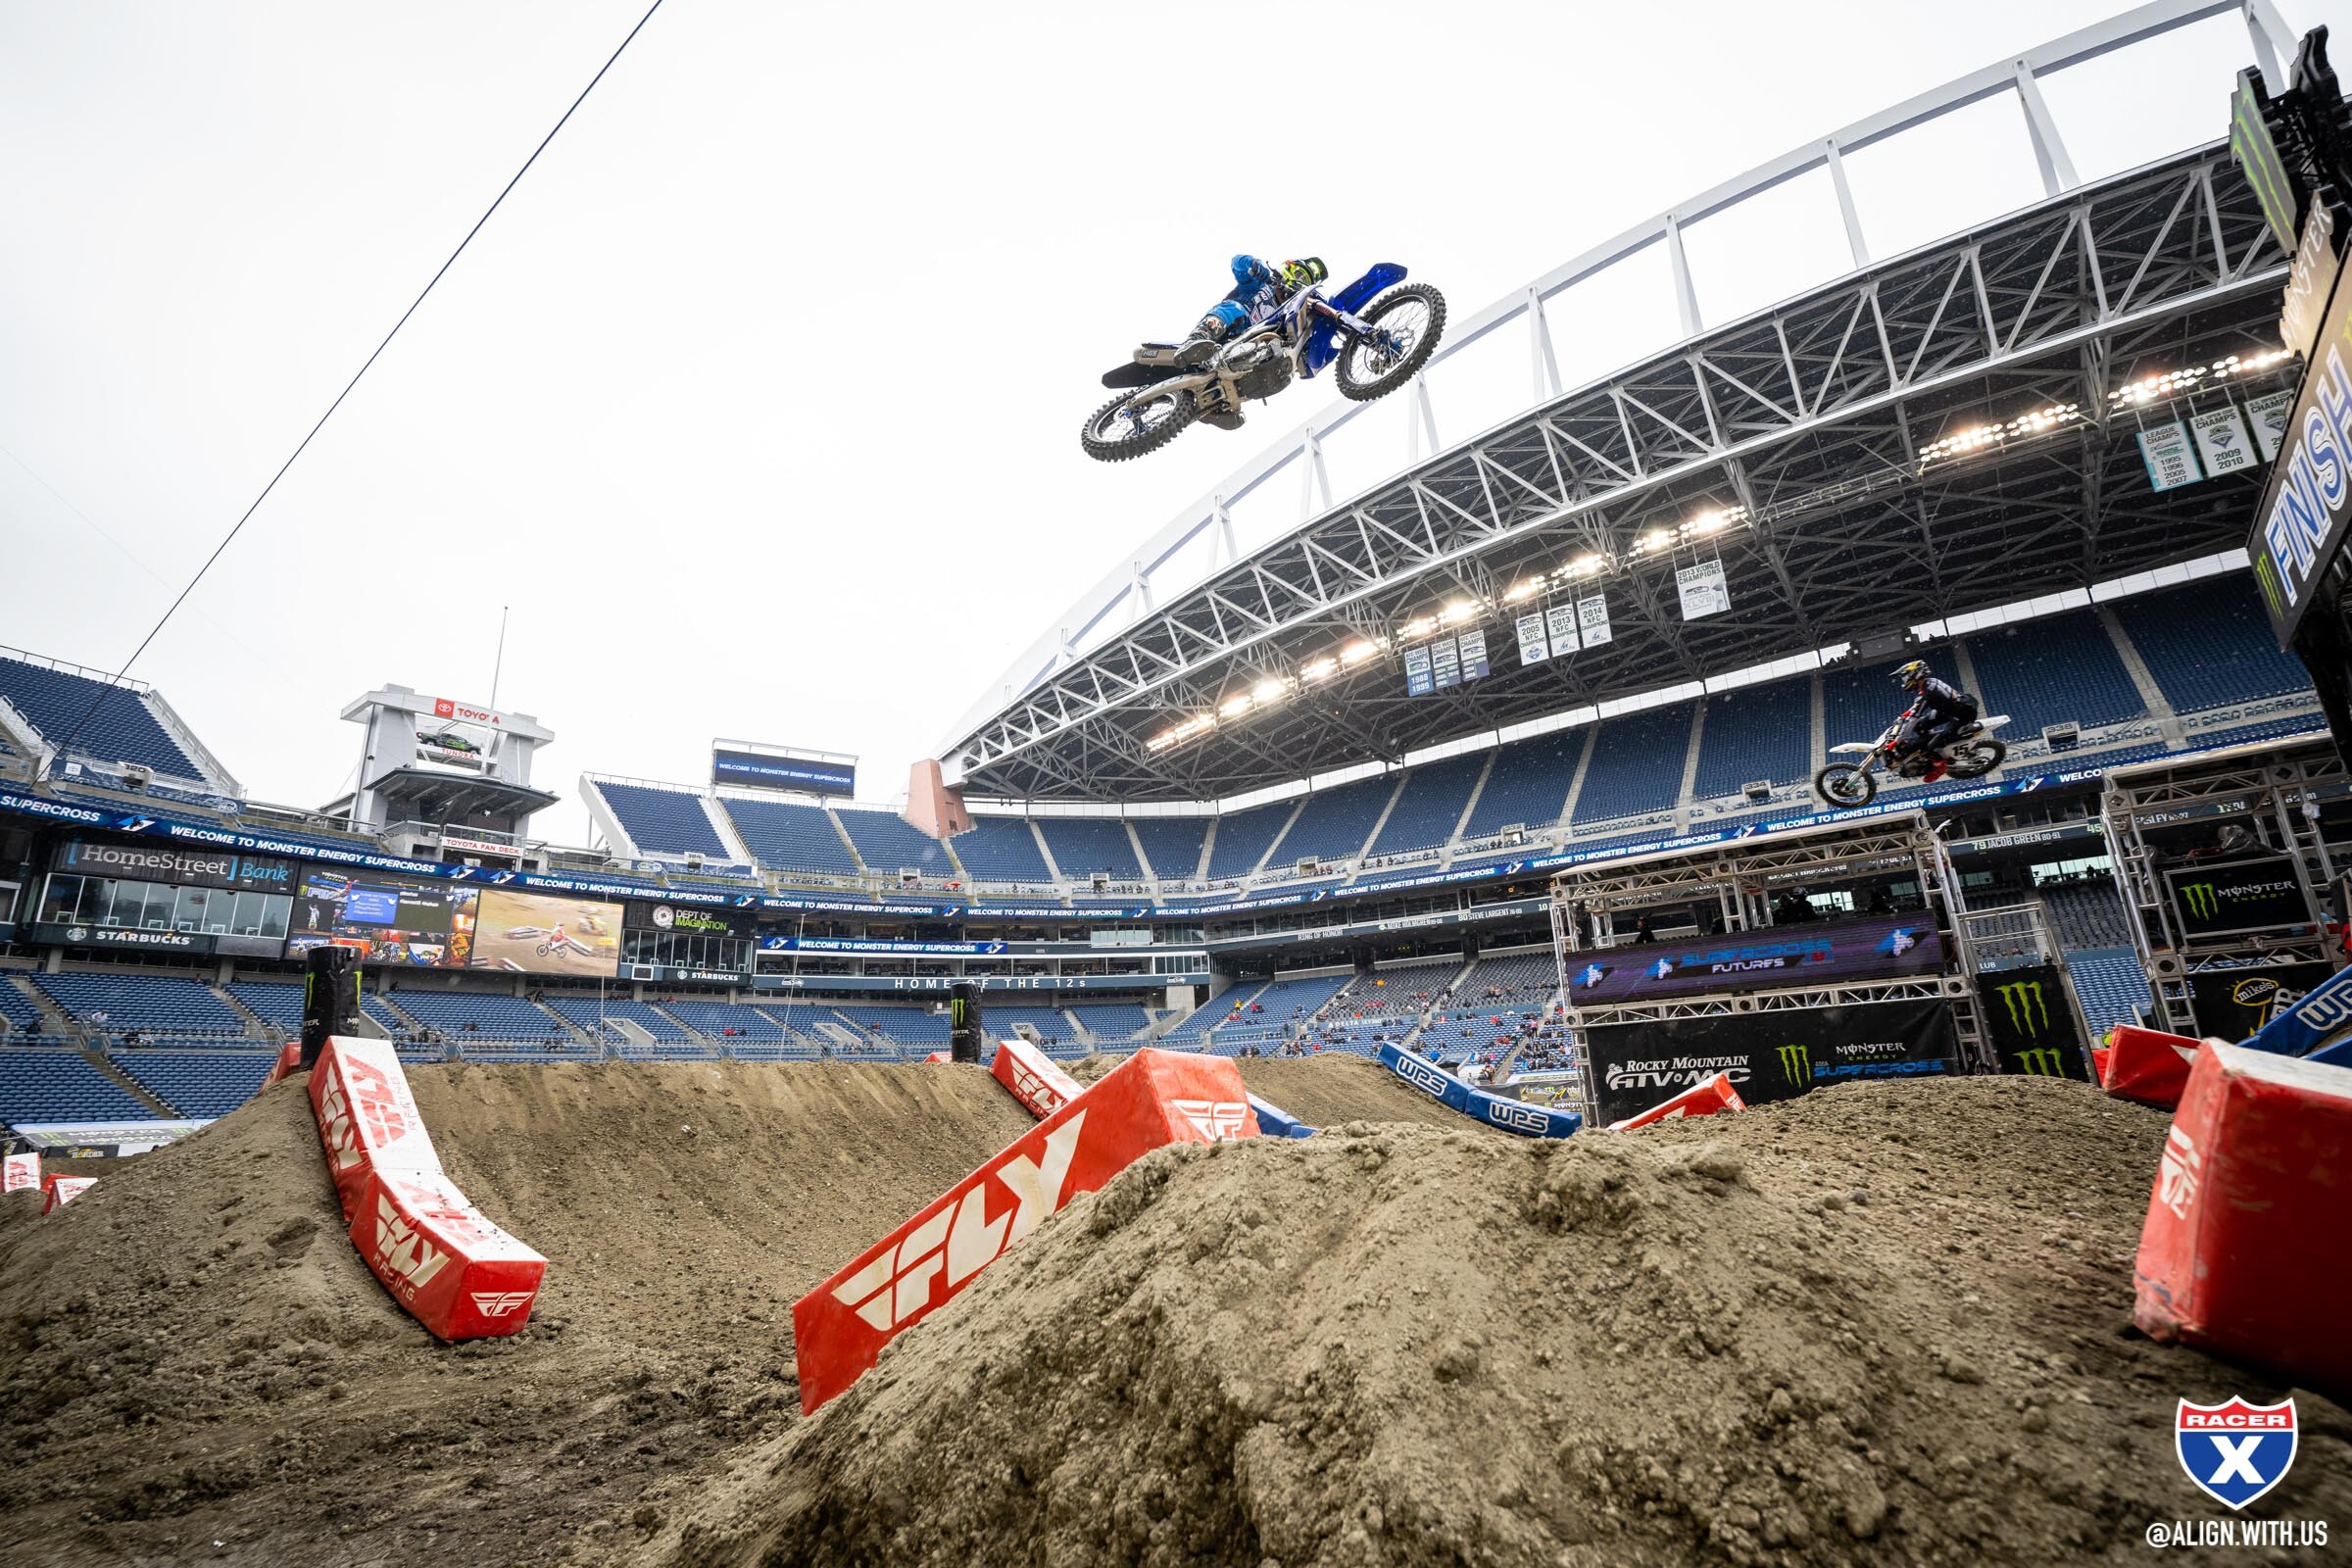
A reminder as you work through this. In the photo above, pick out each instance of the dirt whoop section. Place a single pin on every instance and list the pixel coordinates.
(1880, 1324)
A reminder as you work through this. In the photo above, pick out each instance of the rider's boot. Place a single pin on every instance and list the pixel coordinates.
(1202, 347)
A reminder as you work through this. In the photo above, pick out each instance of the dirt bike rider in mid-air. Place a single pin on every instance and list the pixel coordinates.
(1937, 713)
(1259, 290)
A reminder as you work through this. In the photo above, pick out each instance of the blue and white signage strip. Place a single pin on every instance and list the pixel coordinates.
(2324, 1012)
(935, 950)
(1276, 1122)
(937, 984)
(1055, 911)
(1499, 1112)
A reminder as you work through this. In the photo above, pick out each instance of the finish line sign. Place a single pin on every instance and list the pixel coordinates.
(2299, 527)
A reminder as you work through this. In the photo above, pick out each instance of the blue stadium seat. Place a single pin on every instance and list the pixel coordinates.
(119, 728)
(60, 1086)
(889, 844)
(1109, 1021)
(1755, 732)
(1001, 848)
(1430, 804)
(2052, 669)
(1859, 701)
(1243, 837)
(1172, 844)
(1636, 763)
(270, 1001)
(714, 1019)
(155, 1003)
(1529, 782)
(198, 1083)
(18, 1008)
(2112, 985)
(664, 821)
(1084, 845)
(919, 1027)
(790, 837)
(2088, 914)
(592, 1015)
(2208, 643)
(999, 1017)
(1334, 824)
(494, 1017)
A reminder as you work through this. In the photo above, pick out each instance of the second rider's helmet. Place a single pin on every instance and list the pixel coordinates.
(1914, 673)
(1304, 272)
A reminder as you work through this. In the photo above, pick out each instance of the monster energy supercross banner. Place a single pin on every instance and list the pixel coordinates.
(2235, 1003)
(1769, 1056)
(2237, 896)
(2031, 1023)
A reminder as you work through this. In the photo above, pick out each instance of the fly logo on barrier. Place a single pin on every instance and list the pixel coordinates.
(2178, 1172)
(1213, 1119)
(2028, 1011)
(1422, 1075)
(1797, 1064)
(359, 1090)
(2041, 1061)
(2198, 897)
(2236, 1451)
(402, 1251)
(961, 1240)
(1030, 1087)
(500, 1303)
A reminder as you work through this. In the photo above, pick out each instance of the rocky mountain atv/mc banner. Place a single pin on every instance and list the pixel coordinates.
(2031, 1023)
(1768, 1056)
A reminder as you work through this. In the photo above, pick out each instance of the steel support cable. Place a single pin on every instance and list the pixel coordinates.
(66, 745)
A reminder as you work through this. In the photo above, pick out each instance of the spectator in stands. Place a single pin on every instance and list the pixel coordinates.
(1642, 933)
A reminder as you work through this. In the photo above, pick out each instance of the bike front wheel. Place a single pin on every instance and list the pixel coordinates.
(1406, 322)
(1844, 786)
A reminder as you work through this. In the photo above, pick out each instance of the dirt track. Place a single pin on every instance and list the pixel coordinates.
(1880, 1324)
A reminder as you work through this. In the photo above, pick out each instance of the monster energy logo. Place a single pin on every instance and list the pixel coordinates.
(2042, 1062)
(2028, 1011)
(2201, 900)
(1797, 1064)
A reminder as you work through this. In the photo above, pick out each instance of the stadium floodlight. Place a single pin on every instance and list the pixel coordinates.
(1587, 565)
(1320, 668)
(1656, 539)
(1459, 610)
(1355, 653)
(1524, 588)
(1707, 522)
(1233, 706)
(1269, 691)
(1420, 626)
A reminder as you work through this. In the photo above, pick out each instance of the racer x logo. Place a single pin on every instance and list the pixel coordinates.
(961, 1240)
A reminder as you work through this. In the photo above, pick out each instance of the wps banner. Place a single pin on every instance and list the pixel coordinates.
(2236, 896)
(1767, 1056)
(2031, 1023)
(2236, 1004)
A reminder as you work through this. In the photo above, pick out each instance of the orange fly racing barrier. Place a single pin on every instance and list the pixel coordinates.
(442, 1258)
(1032, 1077)
(2243, 1253)
(21, 1171)
(1702, 1099)
(2149, 1065)
(1154, 1097)
(60, 1190)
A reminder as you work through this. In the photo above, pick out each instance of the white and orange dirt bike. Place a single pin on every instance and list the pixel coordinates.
(1376, 334)
(1972, 753)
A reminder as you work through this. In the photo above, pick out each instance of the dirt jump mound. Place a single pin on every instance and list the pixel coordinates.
(194, 1352)
(1885, 1323)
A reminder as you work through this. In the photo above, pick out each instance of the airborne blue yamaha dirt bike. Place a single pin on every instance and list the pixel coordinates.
(1379, 343)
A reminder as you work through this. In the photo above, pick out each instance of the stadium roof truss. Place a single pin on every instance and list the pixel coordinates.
(1816, 424)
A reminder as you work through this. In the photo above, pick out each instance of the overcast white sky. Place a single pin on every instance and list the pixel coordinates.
(757, 401)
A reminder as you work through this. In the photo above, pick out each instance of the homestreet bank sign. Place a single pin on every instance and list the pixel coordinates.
(2300, 524)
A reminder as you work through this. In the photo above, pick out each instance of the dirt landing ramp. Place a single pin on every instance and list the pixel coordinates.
(1882, 1324)
(194, 1352)
(1322, 1091)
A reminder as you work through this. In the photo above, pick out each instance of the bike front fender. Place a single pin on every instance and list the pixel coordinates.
(1320, 347)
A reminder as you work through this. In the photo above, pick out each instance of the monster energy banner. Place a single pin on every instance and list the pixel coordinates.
(2030, 1024)
(2235, 1003)
(2238, 896)
(1769, 1056)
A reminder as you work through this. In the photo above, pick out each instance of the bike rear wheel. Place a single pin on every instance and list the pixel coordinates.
(1407, 323)
(1974, 758)
(1135, 422)
(1844, 786)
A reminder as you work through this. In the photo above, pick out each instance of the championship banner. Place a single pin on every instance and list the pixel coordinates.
(2238, 896)
(1534, 645)
(1875, 948)
(2165, 449)
(1767, 1056)
(2235, 1004)
(1560, 625)
(2030, 1022)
